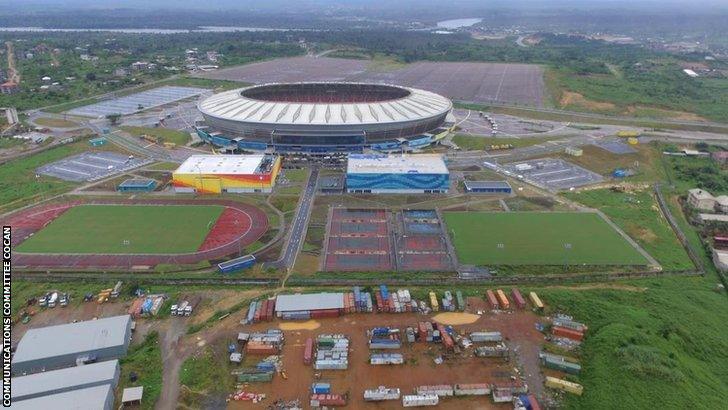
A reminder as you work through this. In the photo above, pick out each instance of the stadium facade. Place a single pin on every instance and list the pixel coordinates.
(397, 174)
(324, 117)
(215, 174)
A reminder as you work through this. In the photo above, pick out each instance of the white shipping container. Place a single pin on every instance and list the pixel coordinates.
(381, 393)
(420, 400)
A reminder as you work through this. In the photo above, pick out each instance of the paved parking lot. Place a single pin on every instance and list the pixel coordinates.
(137, 102)
(90, 166)
(616, 147)
(555, 174)
(466, 81)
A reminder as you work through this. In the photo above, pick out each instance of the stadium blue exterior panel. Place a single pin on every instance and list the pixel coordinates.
(415, 182)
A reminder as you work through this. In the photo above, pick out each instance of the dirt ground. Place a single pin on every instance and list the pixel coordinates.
(517, 328)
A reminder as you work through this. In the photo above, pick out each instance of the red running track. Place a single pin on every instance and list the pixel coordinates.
(249, 223)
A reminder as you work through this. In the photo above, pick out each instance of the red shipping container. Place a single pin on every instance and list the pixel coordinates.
(492, 300)
(271, 306)
(422, 330)
(533, 402)
(378, 298)
(324, 313)
(567, 333)
(258, 348)
(518, 298)
(329, 399)
(308, 351)
(263, 309)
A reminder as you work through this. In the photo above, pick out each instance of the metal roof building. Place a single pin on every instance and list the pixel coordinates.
(55, 347)
(400, 174)
(90, 398)
(488, 187)
(310, 301)
(227, 173)
(64, 380)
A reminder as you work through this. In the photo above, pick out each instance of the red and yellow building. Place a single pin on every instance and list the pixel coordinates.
(215, 174)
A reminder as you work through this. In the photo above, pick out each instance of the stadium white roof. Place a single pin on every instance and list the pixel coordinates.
(232, 105)
(70, 378)
(311, 301)
(221, 164)
(72, 338)
(396, 164)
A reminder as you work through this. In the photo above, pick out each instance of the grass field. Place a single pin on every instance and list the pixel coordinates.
(162, 134)
(470, 142)
(521, 238)
(636, 213)
(104, 228)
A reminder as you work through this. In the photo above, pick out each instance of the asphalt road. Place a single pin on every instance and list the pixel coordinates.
(297, 233)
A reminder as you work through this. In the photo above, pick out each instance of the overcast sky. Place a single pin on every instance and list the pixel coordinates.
(658, 5)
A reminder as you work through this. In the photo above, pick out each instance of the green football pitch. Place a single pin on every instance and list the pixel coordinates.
(124, 229)
(523, 238)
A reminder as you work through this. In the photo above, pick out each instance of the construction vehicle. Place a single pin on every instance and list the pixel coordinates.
(117, 290)
(104, 295)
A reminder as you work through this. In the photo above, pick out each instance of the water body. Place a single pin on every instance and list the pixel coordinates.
(458, 23)
(201, 29)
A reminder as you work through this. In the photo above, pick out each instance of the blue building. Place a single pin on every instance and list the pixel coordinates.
(397, 174)
(137, 185)
(488, 187)
(243, 262)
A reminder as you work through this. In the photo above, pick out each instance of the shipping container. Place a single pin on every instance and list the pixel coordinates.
(258, 348)
(535, 300)
(254, 375)
(381, 393)
(433, 302)
(503, 299)
(476, 389)
(533, 403)
(482, 337)
(560, 363)
(569, 323)
(492, 300)
(460, 300)
(327, 400)
(502, 395)
(386, 359)
(441, 390)
(567, 333)
(321, 388)
(567, 386)
(518, 299)
(499, 350)
(420, 400)
(308, 351)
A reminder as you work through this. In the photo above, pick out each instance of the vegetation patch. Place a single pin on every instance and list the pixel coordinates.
(145, 361)
(162, 135)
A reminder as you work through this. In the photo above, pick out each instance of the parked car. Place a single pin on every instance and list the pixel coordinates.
(63, 301)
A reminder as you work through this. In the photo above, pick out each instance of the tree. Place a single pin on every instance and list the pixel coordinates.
(91, 77)
(113, 118)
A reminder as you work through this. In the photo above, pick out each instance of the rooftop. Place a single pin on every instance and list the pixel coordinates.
(714, 217)
(311, 301)
(132, 394)
(72, 338)
(221, 164)
(53, 381)
(92, 398)
(486, 184)
(396, 164)
(700, 194)
(325, 104)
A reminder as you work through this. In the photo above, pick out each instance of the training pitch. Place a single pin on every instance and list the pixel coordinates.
(125, 229)
(523, 238)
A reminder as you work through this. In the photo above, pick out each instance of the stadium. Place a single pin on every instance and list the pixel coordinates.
(323, 117)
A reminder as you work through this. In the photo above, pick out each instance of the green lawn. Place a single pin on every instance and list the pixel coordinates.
(163, 134)
(104, 228)
(523, 238)
(638, 216)
(19, 184)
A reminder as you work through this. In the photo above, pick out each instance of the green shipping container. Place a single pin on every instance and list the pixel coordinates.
(561, 364)
(461, 301)
(255, 377)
